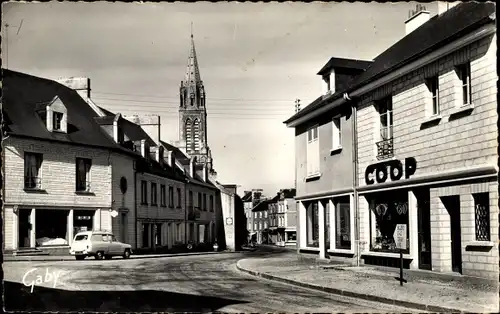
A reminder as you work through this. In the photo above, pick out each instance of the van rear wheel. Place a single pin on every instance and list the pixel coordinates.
(99, 255)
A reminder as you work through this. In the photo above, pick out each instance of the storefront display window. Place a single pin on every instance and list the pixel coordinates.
(343, 225)
(51, 227)
(387, 210)
(312, 225)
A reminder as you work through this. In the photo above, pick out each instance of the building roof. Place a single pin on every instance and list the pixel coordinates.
(247, 197)
(437, 32)
(342, 63)
(289, 193)
(261, 206)
(23, 94)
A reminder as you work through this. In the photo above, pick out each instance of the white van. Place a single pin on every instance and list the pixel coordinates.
(100, 244)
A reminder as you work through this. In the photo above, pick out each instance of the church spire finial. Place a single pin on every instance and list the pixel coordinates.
(191, 29)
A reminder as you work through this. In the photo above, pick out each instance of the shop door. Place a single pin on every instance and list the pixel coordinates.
(452, 204)
(24, 228)
(424, 231)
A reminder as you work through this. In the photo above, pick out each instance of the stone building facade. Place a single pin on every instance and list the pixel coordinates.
(424, 150)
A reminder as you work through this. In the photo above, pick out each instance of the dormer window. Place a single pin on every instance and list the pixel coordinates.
(57, 118)
(329, 83)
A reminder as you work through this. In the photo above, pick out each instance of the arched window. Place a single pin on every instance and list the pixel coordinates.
(196, 135)
(188, 132)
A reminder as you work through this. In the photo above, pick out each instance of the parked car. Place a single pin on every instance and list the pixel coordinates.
(99, 244)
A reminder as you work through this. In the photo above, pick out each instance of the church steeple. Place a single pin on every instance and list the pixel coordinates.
(192, 111)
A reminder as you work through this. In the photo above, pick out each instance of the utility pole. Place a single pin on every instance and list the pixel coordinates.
(297, 105)
(7, 25)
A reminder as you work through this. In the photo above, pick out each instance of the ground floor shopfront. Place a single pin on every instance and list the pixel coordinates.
(168, 233)
(44, 227)
(452, 224)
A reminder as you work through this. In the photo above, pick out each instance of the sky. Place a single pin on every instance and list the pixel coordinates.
(255, 59)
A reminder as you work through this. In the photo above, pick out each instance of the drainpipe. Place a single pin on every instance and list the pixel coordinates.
(135, 203)
(355, 175)
(185, 212)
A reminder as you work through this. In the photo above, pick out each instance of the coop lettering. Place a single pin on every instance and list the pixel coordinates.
(392, 168)
(32, 277)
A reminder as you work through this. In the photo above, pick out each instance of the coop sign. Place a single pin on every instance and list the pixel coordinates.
(392, 169)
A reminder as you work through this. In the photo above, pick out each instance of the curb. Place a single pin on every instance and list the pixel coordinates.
(408, 304)
(71, 258)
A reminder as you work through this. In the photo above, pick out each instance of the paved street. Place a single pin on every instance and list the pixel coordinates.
(192, 283)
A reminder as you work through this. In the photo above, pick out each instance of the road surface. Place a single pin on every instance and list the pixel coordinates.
(203, 283)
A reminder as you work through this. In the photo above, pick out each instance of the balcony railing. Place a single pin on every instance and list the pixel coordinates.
(385, 149)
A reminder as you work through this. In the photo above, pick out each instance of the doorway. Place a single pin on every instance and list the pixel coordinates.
(24, 228)
(424, 230)
(452, 205)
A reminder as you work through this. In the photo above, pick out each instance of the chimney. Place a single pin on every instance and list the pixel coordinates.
(205, 172)
(159, 154)
(191, 166)
(80, 84)
(116, 129)
(444, 6)
(416, 18)
(144, 149)
(170, 158)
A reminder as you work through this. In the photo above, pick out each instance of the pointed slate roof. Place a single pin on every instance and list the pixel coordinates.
(192, 77)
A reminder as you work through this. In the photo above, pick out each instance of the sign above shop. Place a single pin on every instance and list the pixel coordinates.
(392, 168)
(114, 213)
(400, 236)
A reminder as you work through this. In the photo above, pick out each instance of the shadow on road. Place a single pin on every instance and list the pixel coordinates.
(19, 298)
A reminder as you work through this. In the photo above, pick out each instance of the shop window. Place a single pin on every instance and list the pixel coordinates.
(387, 210)
(171, 196)
(145, 235)
(158, 234)
(51, 227)
(343, 225)
(163, 195)
(144, 192)
(482, 214)
(327, 224)
(154, 194)
(32, 170)
(178, 229)
(292, 236)
(312, 226)
(82, 221)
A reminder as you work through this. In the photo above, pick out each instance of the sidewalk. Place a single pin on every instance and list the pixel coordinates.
(439, 294)
(10, 258)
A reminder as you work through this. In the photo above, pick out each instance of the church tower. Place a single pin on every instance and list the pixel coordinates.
(193, 112)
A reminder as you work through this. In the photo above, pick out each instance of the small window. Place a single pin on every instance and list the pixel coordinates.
(433, 86)
(163, 195)
(83, 166)
(170, 197)
(32, 170)
(463, 72)
(144, 192)
(57, 121)
(337, 133)
(154, 194)
(179, 198)
(386, 121)
(211, 203)
(482, 215)
(199, 200)
(204, 201)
